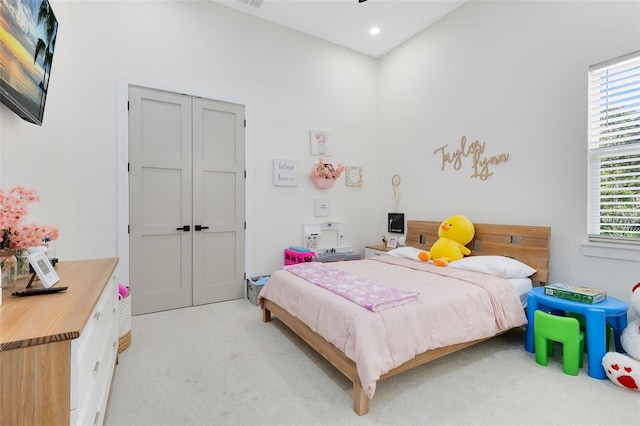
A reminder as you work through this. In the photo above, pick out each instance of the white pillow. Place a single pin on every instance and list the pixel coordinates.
(499, 266)
(406, 252)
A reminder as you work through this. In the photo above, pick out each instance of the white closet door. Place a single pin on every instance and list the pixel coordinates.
(218, 201)
(160, 200)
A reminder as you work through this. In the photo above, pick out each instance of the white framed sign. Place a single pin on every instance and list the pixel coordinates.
(285, 172)
(321, 207)
(43, 268)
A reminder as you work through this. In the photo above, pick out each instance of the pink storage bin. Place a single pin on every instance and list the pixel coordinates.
(292, 257)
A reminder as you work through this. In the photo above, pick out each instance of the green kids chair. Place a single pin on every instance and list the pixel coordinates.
(566, 330)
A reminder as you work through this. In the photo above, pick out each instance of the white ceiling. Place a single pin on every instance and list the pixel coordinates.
(347, 22)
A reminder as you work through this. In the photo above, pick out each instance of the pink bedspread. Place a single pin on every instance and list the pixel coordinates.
(454, 306)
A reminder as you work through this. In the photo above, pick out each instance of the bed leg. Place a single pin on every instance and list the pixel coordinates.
(360, 399)
(266, 315)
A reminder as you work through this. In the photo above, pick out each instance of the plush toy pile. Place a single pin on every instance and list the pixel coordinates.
(123, 291)
(454, 234)
(624, 369)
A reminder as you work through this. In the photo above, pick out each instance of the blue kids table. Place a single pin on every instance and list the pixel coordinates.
(611, 310)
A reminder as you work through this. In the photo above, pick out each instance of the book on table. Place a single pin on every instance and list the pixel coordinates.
(576, 293)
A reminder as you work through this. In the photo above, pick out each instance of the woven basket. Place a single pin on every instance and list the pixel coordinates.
(124, 342)
(124, 328)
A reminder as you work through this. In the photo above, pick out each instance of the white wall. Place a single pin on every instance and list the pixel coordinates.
(292, 82)
(513, 75)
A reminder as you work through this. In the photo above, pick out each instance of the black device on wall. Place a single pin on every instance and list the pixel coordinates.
(396, 223)
(28, 34)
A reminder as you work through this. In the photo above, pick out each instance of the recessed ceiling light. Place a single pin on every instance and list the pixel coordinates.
(374, 31)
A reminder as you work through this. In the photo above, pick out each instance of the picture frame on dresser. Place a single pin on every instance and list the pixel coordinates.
(43, 268)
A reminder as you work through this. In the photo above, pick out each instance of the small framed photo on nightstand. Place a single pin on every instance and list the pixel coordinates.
(392, 242)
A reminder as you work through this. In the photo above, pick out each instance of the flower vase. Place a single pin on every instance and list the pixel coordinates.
(22, 264)
(321, 183)
(8, 264)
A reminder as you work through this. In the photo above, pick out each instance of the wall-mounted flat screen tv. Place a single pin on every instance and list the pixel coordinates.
(28, 30)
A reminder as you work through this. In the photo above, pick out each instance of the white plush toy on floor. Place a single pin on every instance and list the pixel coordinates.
(624, 369)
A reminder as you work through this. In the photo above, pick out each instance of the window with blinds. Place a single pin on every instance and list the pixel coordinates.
(614, 150)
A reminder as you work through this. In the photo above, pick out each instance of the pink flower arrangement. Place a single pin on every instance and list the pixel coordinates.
(17, 235)
(324, 170)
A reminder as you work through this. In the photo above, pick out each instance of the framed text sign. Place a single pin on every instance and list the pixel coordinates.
(285, 172)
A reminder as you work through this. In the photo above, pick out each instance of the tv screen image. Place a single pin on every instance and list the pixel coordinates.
(28, 31)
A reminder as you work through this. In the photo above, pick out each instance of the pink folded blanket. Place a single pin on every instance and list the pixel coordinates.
(365, 292)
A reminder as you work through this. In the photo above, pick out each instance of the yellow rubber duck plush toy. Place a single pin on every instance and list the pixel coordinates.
(455, 233)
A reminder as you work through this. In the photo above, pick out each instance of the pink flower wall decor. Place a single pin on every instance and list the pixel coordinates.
(324, 170)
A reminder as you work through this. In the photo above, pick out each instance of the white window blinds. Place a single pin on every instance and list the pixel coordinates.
(614, 150)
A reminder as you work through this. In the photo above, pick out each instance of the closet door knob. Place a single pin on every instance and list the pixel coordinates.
(200, 227)
(184, 228)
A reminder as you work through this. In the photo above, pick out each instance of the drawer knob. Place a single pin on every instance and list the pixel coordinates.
(96, 316)
(96, 368)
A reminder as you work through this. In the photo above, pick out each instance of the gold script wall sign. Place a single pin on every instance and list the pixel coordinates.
(480, 163)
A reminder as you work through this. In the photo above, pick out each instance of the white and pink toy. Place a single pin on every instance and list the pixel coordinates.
(624, 369)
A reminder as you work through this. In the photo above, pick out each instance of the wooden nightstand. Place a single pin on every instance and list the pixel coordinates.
(370, 251)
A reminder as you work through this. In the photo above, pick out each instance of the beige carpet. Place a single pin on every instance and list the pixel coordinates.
(219, 364)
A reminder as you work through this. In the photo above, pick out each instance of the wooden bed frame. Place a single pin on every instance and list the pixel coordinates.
(529, 244)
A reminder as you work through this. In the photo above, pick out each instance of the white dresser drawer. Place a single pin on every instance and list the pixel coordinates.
(93, 357)
(94, 403)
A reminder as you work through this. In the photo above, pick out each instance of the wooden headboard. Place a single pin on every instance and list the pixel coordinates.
(528, 244)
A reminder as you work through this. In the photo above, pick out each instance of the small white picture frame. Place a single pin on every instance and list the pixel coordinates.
(321, 207)
(320, 142)
(43, 268)
(392, 242)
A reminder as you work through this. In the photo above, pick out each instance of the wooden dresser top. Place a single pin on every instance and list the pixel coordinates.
(34, 320)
